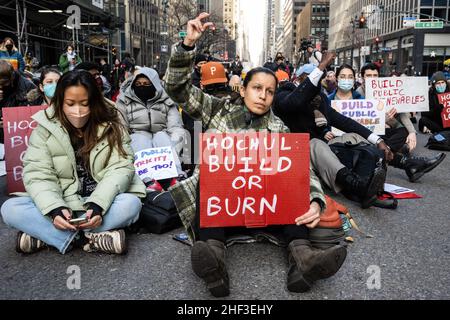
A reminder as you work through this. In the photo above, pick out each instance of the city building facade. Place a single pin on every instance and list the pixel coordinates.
(396, 44)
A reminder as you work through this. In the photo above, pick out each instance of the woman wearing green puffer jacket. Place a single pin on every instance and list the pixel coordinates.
(79, 164)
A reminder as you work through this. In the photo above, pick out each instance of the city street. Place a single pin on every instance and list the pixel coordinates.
(410, 246)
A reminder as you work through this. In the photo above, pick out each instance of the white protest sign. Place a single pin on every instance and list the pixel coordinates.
(369, 113)
(155, 163)
(405, 94)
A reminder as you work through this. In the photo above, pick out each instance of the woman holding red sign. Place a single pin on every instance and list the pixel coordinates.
(431, 121)
(306, 264)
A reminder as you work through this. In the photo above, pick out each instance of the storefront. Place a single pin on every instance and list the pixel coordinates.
(435, 52)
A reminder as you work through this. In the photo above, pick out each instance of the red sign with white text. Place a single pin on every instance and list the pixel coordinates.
(17, 127)
(253, 179)
(444, 99)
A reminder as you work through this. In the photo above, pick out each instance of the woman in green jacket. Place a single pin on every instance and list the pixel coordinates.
(78, 165)
(253, 113)
(69, 60)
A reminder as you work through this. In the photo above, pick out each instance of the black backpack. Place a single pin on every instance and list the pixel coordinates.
(159, 214)
(439, 141)
(362, 158)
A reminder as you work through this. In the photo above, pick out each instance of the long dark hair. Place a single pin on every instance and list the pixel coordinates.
(100, 114)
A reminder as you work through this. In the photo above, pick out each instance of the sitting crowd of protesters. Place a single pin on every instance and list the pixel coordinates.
(79, 162)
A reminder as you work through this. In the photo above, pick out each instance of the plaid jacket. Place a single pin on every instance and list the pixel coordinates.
(217, 114)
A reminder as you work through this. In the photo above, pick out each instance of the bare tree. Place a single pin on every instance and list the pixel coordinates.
(181, 11)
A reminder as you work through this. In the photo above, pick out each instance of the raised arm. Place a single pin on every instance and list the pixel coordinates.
(178, 82)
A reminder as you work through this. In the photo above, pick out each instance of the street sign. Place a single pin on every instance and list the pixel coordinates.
(429, 25)
(164, 48)
(182, 34)
(164, 33)
(409, 22)
(387, 49)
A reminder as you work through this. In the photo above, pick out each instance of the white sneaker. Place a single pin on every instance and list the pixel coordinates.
(426, 130)
(107, 242)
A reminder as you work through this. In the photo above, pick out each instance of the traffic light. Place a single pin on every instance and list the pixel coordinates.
(114, 51)
(362, 22)
(377, 40)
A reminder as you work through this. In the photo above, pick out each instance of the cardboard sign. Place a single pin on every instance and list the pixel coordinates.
(155, 163)
(444, 99)
(369, 113)
(406, 94)
(253, 179)
(17, 127)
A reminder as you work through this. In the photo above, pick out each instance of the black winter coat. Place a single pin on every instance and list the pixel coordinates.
(293, 105)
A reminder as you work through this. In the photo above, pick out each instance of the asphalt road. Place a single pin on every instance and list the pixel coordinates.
(411, 248)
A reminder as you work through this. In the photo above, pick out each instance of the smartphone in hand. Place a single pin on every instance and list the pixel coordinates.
(78, 221)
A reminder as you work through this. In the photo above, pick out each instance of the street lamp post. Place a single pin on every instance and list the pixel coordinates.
(353, 23)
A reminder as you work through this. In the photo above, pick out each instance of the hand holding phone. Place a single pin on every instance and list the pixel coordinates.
(62, 223)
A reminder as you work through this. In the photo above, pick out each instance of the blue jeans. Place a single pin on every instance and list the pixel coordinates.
(21, 213)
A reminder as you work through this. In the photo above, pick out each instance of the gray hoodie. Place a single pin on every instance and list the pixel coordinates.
(159, 113)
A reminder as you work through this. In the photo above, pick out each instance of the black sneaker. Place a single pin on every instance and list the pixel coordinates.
(27, 244)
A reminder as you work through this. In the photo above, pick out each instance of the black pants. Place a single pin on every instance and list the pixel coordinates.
(430, 124)
(287, 233)
(395, 138)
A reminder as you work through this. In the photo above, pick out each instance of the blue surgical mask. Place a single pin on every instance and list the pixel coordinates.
(346, 84)
(49, 90)
(440, 88)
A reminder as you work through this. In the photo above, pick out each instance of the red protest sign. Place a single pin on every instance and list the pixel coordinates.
(444, 99)
(253, 179)
(17, 127)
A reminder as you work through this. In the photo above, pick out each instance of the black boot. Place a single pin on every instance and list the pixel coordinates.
(365, 189)
(308, 264)
(416, 167)
(208, 262)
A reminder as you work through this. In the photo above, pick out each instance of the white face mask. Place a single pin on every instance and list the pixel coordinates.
(77, 116)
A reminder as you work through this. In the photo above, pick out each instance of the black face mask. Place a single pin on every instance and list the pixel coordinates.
(9, 47)
(144, 93)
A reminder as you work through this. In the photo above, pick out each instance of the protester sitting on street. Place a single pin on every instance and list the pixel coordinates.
(214, 81)
(69, 60)
(431, 121)
(253, 112)
(282, 76)
(346, 84)
(10, 53)
(47, 87)
(152, 117)
(401, 136)
(14, 88)
(78, 164)
(297, 107)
